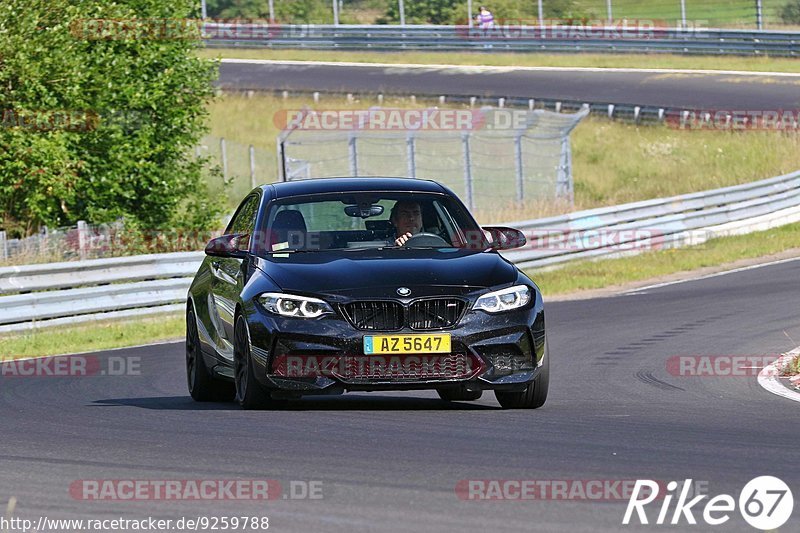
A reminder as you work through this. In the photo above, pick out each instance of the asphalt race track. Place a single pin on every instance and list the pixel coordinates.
(715, 91)
(391, 461)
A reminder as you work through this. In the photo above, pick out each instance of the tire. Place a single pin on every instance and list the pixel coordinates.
(459, 394)
(534, 395)
(249, 392)
(202, 386)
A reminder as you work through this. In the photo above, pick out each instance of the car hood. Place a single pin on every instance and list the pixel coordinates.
(379, 273)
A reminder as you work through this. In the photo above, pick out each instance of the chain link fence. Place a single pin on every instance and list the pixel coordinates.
(82, 241)
(498, 158)
(236, 167)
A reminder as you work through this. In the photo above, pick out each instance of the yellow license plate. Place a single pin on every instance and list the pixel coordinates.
(391, 344)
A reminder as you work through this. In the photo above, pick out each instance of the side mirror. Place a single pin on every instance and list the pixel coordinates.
(501, 238)
(235, 245)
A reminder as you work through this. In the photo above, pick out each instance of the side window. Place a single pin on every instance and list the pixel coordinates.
(245, 219)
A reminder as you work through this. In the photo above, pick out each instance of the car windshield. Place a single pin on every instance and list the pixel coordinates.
(369, 220)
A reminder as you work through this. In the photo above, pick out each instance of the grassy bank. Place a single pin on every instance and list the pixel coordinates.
(586, 275)
(500, 59)
(613, 162)
(92, 337)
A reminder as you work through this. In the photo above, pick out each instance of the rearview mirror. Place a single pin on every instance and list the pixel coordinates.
(363, 210)
(502, 238)
(235, 245)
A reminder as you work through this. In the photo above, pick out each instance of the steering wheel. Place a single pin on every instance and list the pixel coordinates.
(426, 239)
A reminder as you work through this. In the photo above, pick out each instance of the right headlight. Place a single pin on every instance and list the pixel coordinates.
(504, 299)
(294, 305)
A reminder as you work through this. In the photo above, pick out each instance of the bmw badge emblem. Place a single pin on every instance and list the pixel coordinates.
(403, 291)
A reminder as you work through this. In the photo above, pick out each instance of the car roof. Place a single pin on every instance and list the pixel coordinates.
(324, 185)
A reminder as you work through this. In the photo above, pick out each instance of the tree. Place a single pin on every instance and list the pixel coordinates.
(100, 117)
(790, 12)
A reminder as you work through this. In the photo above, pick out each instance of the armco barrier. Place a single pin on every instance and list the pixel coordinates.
(133, 286)
(511, 38)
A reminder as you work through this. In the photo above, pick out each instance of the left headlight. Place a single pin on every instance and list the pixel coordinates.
(504, 300)
(292, 305)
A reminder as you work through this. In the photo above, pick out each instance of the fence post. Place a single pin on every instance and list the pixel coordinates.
(224, 156)
(402, 9)
(335, 12)
(564, 176)
(3, 246)
(353, 155)
(43, 244)
(252, 166)
(541, 15)
(759, 15)
(82, 238)
(683, 14)
(609, 12)
(519, 168)
(467, 171)
(281, 159)
(411, 147)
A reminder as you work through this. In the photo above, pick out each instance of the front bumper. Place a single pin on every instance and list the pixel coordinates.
(325, 356)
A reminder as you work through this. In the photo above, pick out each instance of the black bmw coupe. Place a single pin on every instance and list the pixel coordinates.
(363, 284)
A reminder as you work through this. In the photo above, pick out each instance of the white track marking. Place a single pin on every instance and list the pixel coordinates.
(490, 68)
(768, 377)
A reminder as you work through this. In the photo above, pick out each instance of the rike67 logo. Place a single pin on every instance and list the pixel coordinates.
(765, 503)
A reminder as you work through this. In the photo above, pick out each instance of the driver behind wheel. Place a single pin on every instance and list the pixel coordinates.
(406, 217)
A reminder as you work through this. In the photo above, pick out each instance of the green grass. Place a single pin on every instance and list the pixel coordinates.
(755, 64)
(93, 337)
(613, 162)
(712, 13)
(793, 368)
(586, 275)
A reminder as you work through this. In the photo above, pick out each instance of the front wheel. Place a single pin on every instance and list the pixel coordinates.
(249, 392)
(534, 395)
(202, 386)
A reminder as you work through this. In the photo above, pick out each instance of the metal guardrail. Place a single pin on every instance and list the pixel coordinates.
(139, 285)
(660, 223)
(72, 274)
(82, 291)
(505, 38)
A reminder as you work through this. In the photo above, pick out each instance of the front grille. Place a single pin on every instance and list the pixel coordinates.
(384, 315)
(375, 315)
(408, 367)
(435, 313)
